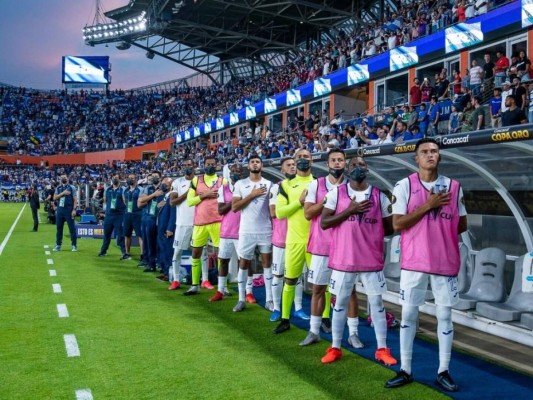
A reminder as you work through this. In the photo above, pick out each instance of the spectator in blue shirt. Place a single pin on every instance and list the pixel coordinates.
(434, 115)
(415, 134)
(423, 119)
(495, 108)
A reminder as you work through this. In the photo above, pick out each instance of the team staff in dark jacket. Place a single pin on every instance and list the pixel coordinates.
(166, 225)
(35, 205)
(133, 216)
(66, 196)
(114, 216)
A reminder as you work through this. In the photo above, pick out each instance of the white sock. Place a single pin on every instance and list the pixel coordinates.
(377, 312)
(277, 290)
(445, 335)
(221, 283)
(233, 268)
(353, 326)
(249, 284)
(338, 320)
(241, 279)
(205, 266)
(314, 324)
(298, 295)
(176, 264)
(407, 336)
(267, 275)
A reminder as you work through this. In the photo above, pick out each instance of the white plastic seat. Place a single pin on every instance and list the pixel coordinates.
(516, 304)
(487, 282)
(465, 271)
(527, 320)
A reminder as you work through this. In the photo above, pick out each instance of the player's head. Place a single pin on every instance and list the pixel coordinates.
(156, 177)
(358, 169)
(288, 167)
(210, 165)
(427, 153)
(303, 160)
(236, 172)
(188, 166)
(255, 164)
(336, 162)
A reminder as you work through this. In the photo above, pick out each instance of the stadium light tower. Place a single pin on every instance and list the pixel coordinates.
(125, 30)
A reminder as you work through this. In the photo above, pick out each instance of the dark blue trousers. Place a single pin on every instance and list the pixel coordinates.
(149, 236)
(63, 216)
(113, 222)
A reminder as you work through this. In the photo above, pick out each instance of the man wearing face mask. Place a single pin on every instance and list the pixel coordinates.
(357, 213)
(66, 197)
(166, 224)
(133, 215)
(279, 235)
(114, 216)
(229, 230)
(148, 201)
(290, 205)
(203, 195)
(319, 246)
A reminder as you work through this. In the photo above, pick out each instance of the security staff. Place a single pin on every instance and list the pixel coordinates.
(133, 215)
(35, 205)
(114, 216)
(67, 202)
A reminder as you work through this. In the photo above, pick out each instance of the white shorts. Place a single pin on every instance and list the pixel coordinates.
(227, 248)
(249, 241)
(278, 260)
(343, 283)
(319, 273)
(183, 236)
(414, 285)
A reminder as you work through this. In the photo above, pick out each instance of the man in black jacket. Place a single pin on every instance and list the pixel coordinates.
(35, 205)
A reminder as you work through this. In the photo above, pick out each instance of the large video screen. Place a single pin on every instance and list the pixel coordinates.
(86, 69)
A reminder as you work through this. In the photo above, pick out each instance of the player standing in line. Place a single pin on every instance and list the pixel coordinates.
(428, 209)
(290, 205)
(358, 216)
(255, 230)
(229, 230)
(279, 234)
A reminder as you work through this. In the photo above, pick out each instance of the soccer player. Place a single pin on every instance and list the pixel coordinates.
(255, 229)
(66, 196)
(279, 234)
(132, 218)
(428, 209)
(358, 216)
(203, 195)
(290, 205)
(114, 216)
(229, 230)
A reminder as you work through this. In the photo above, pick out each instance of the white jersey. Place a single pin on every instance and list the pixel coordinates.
(274, 190)
(184, 213)
(401, 194)
(359, 196)
(255, 217)
(313, 187)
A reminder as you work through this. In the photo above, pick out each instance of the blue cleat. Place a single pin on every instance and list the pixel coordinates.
(301, 314)
(275, 316)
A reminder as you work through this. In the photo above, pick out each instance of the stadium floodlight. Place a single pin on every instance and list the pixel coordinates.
(106, 32)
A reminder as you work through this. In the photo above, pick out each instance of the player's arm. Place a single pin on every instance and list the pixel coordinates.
(435, 200)
(311, 208)
(284, 209)
(192, 198)
(75, 197)
(176, 200)
(223, 207)
(388, 229)
(238, 203)
(328, 218)
(463, 224)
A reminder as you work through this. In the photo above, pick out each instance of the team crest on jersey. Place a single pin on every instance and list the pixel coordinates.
(393, 199)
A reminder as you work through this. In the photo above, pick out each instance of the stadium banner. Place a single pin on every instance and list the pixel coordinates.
(270, 105)
(527, 13)
(179, 137)
(196, 132)
(357, 73)
(233, 118)
(402, 57)
(293, 97)
(250, 112)
(220, 123)
(85, 69)
(321, 87)
(207, 127)
(187, 135)
(84, 231)
(462, 35)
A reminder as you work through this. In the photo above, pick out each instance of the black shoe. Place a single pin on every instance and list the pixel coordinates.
(402, 378)
(125, 257)
(102, 254)
(283, 326)
(445, 381)
(326, 325)
(150, 269)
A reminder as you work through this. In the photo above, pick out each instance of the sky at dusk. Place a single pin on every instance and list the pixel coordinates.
(35, 34)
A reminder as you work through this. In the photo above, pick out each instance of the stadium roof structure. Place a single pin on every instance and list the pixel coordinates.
(226, 39)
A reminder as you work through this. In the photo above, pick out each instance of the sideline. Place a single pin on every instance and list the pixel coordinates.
(8, 235)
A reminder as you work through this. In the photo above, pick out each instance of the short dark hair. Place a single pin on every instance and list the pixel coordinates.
(425, 140)
(285, 159)
(158, 173)
(254, 156)
(209, 157)
(336, 150)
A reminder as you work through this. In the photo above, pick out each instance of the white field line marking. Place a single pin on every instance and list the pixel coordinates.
(56, 287)
(46, 246)
(52, 272)
(62, 311)
(8, 235)
(71, 345)
(47, 253)
(84, 394)
(49, 261)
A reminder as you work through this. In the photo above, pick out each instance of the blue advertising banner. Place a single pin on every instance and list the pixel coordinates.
(321, 87)
(403, 57)
(462, 35)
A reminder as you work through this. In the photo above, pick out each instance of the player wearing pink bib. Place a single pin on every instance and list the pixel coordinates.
(359, 217)
(428, 210)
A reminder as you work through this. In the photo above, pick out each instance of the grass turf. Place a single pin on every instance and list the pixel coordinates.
(140, 341)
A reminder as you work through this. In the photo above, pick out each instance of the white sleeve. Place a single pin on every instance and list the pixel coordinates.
(331, 198)
(220, 197)
(400, 196)
(237, 190)
(385, 205)
(175, 185)
(273, 194)
(311, 192)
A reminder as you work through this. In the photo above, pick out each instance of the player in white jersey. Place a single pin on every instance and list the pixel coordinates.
(250, 197)
(184, 222)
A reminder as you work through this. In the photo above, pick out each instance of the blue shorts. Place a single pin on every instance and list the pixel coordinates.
(132, 222)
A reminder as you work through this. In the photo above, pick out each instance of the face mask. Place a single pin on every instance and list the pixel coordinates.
(358, 174)
(155, 181)
(235, 177)
(115, 182)
(164, 187)
(188, 170)
(303, 165)
(336, 173)
(210, 170)
(130, 182)
(290, 176)
(64, 181)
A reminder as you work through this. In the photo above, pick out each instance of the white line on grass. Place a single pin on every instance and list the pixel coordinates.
(47, 253)
(49, 261)
(84, 394)
(56, 287)
(8, 235)
(71, 345)
(52, 272)
(46, 246)
(62, 311)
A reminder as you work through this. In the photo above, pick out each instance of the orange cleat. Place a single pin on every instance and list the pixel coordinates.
(217, 297)
(207, 285)
(383, 355)
(174, 285)
(250, 298)
(332, 354)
